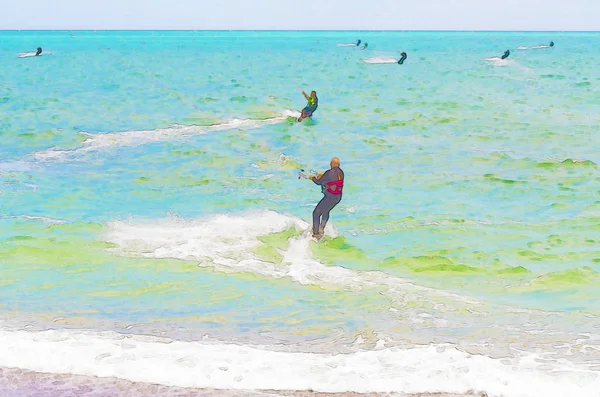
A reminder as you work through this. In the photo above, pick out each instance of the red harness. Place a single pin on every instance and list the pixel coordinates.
(336, 187)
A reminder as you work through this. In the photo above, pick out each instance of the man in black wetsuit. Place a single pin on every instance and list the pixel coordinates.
(332, 183)
(39, 52)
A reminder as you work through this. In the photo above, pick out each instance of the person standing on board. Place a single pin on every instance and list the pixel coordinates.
(332, 184)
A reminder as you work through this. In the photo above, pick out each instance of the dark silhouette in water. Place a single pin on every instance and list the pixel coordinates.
(401, 60)
(506, 54)
(39, 51)
(358, 42)
(551, 44)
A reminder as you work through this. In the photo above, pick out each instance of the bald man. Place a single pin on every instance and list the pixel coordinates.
(332, 184)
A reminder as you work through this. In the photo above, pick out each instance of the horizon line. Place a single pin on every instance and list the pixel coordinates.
(300, 30)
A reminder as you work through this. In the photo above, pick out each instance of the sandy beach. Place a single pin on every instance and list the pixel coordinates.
(21, 383)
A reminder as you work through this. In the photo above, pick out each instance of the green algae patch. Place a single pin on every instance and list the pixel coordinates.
(253, 201)
(282, 165)
(446, 120)
(241, 99)
(377, 142)
(534, 256)
(207, 100)
(261, 114)
(496, 178)
(458, 268)
(267, 253)
(280, 240)
(562, 281)
(429, 264)
(56, 246)
(20, 238)
(568, 163)
(335, 251)
(259, 147)
(38, 137)
(195, 152)
(217, 161)
(555, 240)
(514, 271)
(396, 123)
(50, 252)
(197, 182)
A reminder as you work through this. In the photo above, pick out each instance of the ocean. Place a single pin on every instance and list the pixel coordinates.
(153, 226)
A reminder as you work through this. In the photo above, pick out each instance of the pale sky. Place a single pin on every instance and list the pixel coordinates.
(544, 15)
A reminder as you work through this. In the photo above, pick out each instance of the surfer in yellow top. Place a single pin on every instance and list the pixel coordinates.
(313, 103)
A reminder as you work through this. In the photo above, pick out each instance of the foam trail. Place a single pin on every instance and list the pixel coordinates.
(347, 45)
(537, 47)
(31, 217)
(97, 142)
(210, 242)
(32, 54)
(497, 61)
(28, 54)
(379, 60)
(228, 366)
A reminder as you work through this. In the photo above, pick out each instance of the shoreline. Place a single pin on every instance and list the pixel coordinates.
(15, 382)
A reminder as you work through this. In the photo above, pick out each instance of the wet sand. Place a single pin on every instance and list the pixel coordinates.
(22, 383)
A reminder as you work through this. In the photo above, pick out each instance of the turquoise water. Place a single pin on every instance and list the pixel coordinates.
(471, 177)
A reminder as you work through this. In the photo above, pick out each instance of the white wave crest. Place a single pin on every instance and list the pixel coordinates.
(100, 141)
(433, 368)
(226, 243)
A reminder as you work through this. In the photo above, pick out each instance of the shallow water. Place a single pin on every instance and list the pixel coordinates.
(148, 184)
